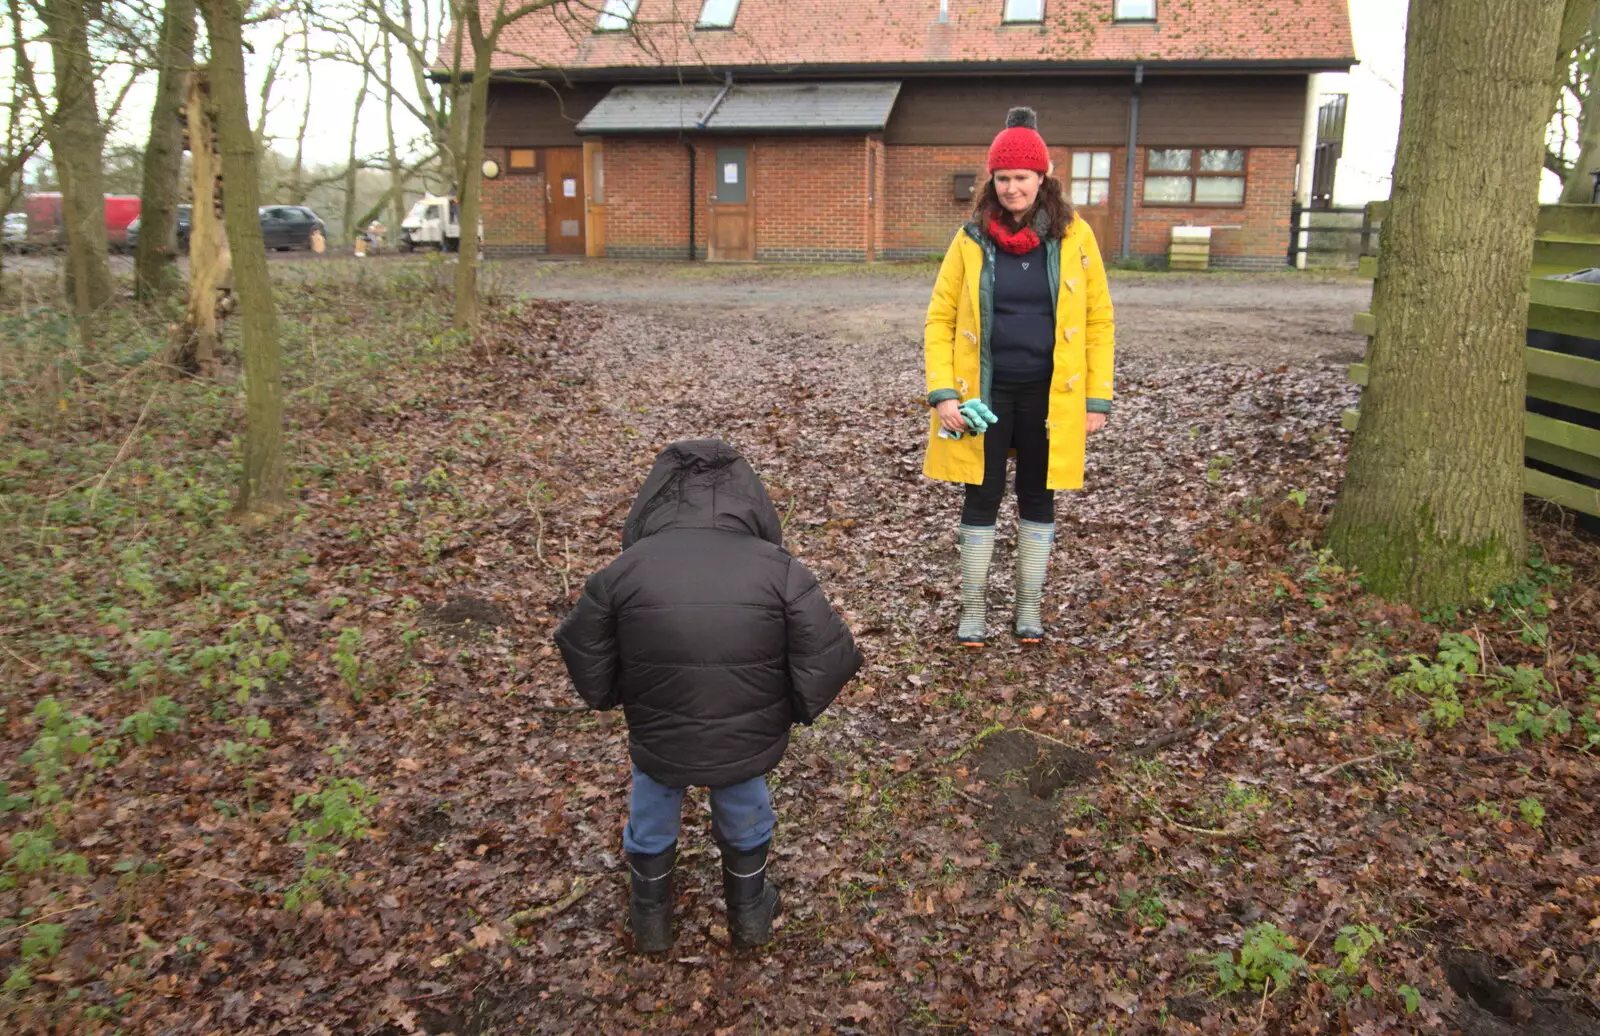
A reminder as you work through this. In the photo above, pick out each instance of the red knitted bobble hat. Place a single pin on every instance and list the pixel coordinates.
(1019, 145)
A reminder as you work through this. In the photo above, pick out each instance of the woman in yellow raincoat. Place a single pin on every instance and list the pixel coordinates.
(1018, 351)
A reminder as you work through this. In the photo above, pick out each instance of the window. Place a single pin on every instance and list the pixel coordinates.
(616, 16)
(717, 14)
(1133, 10)
(521, 160)
(1194, 176)
(1091, 178)
(1023, 11)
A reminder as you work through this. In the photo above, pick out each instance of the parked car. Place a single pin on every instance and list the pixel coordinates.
(289, 226)
(15, 233)
(183, 230)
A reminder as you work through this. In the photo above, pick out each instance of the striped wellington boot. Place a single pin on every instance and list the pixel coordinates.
(977, 551)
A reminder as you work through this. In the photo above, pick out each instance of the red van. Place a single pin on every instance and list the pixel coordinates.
(44, 219)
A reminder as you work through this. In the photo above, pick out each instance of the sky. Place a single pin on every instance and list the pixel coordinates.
(1372, 125)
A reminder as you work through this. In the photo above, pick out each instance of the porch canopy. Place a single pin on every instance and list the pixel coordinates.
(743, 108)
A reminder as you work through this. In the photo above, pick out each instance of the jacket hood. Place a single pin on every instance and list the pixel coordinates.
(702, 484)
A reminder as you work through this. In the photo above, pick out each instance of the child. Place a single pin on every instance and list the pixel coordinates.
(714, 641)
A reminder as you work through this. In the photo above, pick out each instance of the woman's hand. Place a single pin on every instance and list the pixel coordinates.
(1095, 422)
(950, 416)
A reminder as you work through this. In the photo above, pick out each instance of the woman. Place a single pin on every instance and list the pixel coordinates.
(1018, 351)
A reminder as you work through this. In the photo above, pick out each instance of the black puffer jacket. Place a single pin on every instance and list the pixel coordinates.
(709, 635)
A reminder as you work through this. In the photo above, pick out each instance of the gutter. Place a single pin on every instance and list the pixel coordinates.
(904, 69)
(1128, 200)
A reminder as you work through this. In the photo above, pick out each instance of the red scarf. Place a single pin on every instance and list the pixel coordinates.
(1017, 242)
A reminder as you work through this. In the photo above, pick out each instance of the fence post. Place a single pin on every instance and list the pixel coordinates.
(1294, 230)
(1366, 230)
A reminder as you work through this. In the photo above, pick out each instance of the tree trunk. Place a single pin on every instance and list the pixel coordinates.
(154, 272)
(470, 172)
(350, 169)
(195, 340)
(77, 143)
(263, 485)
(297, 183)
(1579, 188)
(397, 186)
(1431, 508)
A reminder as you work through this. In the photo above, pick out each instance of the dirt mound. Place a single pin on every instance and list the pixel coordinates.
(1026, 775)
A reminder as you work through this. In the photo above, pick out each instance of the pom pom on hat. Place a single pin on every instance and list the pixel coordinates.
(1019, 145)
(1023, 117)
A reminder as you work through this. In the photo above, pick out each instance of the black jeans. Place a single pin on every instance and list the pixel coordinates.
(1022, 409)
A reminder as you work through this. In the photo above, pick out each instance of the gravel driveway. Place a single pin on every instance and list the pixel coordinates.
(1270, 318)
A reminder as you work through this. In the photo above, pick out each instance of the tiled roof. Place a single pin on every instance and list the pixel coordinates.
(778, 35)
(746, 107)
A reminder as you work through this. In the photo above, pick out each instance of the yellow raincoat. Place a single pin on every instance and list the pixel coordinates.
(957, 357)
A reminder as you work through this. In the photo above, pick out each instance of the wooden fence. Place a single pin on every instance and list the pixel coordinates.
(1568, 239)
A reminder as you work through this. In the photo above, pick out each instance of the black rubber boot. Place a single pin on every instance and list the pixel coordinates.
(752, 899)
(650, 899)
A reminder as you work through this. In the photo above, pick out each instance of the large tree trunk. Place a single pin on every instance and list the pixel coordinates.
(154, 271)
(263, 486)
(77, 142)
(195, 340)
(470, 172)
(1431, 508)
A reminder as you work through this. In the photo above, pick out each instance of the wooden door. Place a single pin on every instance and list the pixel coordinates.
(563, 211)
(594, 196)
(733, 207)
(1089, 189)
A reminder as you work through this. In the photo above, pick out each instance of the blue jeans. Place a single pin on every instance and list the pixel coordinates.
(741, 815)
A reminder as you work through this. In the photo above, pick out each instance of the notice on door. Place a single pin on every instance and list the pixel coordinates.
(730, 172)
(569, 188)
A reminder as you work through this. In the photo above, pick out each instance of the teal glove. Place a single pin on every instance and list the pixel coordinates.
(978, 416)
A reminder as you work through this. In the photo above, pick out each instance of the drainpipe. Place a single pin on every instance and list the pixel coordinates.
(688, 142)
(1308, 160)
(1132, 157)
(716, 102)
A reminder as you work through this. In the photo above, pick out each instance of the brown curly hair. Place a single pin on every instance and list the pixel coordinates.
(1052, 200)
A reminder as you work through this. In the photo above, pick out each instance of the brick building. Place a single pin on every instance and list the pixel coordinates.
(857, 129)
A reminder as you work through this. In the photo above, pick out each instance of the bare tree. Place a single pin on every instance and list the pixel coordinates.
(194, 343)
(153, 267)
(263, 487)
(77, 143)
(1431, 507)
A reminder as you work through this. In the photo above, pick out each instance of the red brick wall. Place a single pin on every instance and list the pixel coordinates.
(920, 210)
(1264, 216)
(647, 208)
(513, 210)
(922, 213)
(811, 198)
(813, 202)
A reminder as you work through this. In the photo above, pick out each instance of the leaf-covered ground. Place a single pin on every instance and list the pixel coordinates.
(323, 774)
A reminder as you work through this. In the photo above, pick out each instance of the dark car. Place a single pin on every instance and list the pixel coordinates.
(289, 226)
(183, 230)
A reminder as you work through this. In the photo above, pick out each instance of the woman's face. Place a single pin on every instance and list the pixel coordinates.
(1018, 189)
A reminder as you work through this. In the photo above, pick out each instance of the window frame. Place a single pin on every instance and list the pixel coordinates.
(1005, 19)
(701, 25)
(531, 169)
(1110, 179)
(1119, 19)
(1195, 174)
(601, 23)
